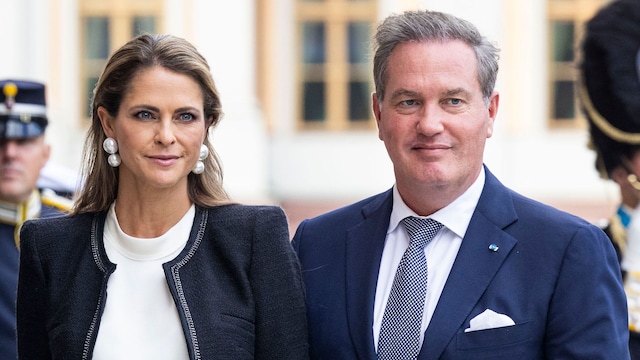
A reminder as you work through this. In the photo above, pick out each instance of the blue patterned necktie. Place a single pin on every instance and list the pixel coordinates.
(400, 330)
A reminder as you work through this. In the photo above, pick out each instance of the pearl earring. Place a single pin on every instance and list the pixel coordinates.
(111, 147)
(204, 152)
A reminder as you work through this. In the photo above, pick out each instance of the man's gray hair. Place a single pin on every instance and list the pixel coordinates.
(421, 26)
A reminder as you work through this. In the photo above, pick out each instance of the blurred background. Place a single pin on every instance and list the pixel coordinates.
(295, 80)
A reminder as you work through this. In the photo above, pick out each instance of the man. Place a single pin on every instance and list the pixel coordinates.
(610, 97)
(508, 277)
(23, 152)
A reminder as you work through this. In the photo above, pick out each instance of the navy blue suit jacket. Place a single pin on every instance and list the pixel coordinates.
(555, 275)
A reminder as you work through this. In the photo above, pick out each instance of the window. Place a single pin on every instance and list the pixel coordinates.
(566, 22)
(334, 69)
(106, 25)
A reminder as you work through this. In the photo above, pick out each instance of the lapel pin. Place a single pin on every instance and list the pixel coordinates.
(494, 247)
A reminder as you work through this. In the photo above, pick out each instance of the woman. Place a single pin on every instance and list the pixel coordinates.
(155, 262)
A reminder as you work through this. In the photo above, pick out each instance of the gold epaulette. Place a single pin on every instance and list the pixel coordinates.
(50, 198)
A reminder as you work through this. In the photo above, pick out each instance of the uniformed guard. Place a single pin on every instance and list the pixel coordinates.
(23, 153)
(609, 92)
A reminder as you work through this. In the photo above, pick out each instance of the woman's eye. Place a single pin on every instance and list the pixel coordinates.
(144, 115)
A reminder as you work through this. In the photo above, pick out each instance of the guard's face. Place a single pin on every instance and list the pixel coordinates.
(433, 120)
(629, 186)
(20, 163)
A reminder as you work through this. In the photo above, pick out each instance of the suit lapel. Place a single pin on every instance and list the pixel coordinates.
(364, 246)
(474, 268)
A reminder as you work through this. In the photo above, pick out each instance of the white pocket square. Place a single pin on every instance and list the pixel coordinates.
(489, 319)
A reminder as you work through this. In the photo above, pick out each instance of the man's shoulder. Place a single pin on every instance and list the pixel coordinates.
(541, 211)
(369, 204)
(347, 216)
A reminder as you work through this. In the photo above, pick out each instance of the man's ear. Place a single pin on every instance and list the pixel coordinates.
(46, 153)
(494, 101)
(375, 107)
(619, 175)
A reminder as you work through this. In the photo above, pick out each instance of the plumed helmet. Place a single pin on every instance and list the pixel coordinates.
(609, 86)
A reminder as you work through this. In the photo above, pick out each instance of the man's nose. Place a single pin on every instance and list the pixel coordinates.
(9, 148)
(430, 121)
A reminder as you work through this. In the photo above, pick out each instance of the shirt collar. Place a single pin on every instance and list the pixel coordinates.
(455, 216)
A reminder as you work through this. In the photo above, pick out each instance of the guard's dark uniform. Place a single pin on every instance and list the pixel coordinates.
(615, 228)
(609, 93)
(49, 205)
(22, 116)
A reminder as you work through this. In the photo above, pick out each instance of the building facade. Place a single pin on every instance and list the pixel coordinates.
(295, 80)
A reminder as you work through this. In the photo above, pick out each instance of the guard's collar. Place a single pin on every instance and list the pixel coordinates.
(16, 214)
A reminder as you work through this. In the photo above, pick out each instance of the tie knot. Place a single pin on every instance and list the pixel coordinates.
(420, 230)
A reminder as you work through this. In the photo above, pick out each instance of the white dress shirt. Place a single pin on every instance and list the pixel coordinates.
(440, 252)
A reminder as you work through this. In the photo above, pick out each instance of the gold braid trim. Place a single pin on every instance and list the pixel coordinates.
(602, 124)
(27, 210)
(51, 199)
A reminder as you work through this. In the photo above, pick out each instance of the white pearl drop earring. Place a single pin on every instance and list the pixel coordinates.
(111, 147)
(199, 167)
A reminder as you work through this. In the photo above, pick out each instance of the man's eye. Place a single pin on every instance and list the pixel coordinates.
(455, 101)
(408, 102)
(187, 117)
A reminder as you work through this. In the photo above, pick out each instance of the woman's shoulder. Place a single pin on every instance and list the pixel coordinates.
(62, 221)
(64, 226)
(232, 211)
(245, 219)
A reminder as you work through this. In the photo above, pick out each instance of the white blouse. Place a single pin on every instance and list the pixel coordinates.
(140, 319)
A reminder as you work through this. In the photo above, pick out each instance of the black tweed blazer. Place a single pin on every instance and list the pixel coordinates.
(236, 285)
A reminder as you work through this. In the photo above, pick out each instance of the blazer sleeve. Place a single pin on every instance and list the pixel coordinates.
(588, 313)
(31, 326)
(281, 325)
